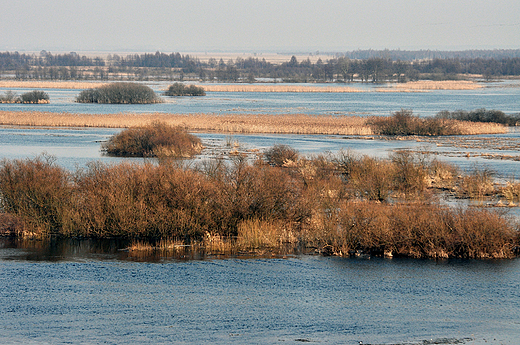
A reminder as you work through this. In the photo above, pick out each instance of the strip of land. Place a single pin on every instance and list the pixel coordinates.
(225, 123)
(415, 86)
(278, 88)
(429, 85)
(29, 84)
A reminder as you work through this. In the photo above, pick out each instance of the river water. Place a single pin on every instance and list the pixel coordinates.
(88, 292)
(501, 96)
(87, 295)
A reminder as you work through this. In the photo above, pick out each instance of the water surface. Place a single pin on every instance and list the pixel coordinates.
(91, 297)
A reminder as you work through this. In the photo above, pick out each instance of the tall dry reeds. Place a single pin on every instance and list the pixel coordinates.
(422, 85)
(227, 123)
(278, 88)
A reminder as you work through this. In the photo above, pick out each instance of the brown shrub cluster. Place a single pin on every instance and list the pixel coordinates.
(341, 204)
(404, 122)
(155, 140)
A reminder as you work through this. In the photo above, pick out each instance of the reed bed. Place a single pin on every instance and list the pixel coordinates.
(423, 85)
(49, 84)
(278, 88)
(232, 123)
(226, 123)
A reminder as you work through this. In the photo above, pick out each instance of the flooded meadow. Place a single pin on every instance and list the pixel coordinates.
(97, 291)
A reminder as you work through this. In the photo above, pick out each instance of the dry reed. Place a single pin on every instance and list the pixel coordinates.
(423, 85)
(226, 123)
(278, 88)
(230, 123)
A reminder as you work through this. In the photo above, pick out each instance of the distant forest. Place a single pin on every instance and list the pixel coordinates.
(361, 66)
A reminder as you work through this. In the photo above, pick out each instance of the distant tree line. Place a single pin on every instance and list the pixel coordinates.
(378, 66)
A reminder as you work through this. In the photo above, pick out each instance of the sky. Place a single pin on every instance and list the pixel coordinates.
(257, 25)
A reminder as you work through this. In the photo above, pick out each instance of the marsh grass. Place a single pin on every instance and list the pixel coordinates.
(511, 191)
(226, 123)
(423, 85)
(278, 88)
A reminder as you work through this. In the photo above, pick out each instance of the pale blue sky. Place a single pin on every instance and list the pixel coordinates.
(254, 25)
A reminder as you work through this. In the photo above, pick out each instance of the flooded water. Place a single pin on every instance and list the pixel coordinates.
(89, 294)
(501, 96)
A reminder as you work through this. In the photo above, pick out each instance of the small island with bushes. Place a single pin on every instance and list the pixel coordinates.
(179, 89)
(155, 140)
(32, 97)
(119, 93)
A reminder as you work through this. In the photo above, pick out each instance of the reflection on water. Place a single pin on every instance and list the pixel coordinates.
(87, 292)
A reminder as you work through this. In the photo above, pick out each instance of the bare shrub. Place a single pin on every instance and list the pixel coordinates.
(476, 185)
(410, 173)
(155, 140)
(480, 115)
(404, 122)
(371, 178)
(179, 89)
(34, 97)
(278, 155)
(119, 93)
(38, 192)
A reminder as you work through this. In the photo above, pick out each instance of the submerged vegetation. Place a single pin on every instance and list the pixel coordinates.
(32, 97)
(179, 89)
(155, 140)
(119, 93)
(341, 204)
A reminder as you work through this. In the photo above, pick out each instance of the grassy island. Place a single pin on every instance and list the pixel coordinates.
(179, 89)
(119, 93)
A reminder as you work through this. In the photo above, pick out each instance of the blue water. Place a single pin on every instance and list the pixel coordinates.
(495, 96)
(84, 297)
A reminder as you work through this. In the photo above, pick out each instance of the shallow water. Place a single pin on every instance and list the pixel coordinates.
(82, 295)
(494, 96)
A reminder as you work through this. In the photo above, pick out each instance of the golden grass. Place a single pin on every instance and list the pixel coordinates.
(231, 123)
(228, 123)
(278, 88)
(29, 84)
(474, 128)
(423, 85)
